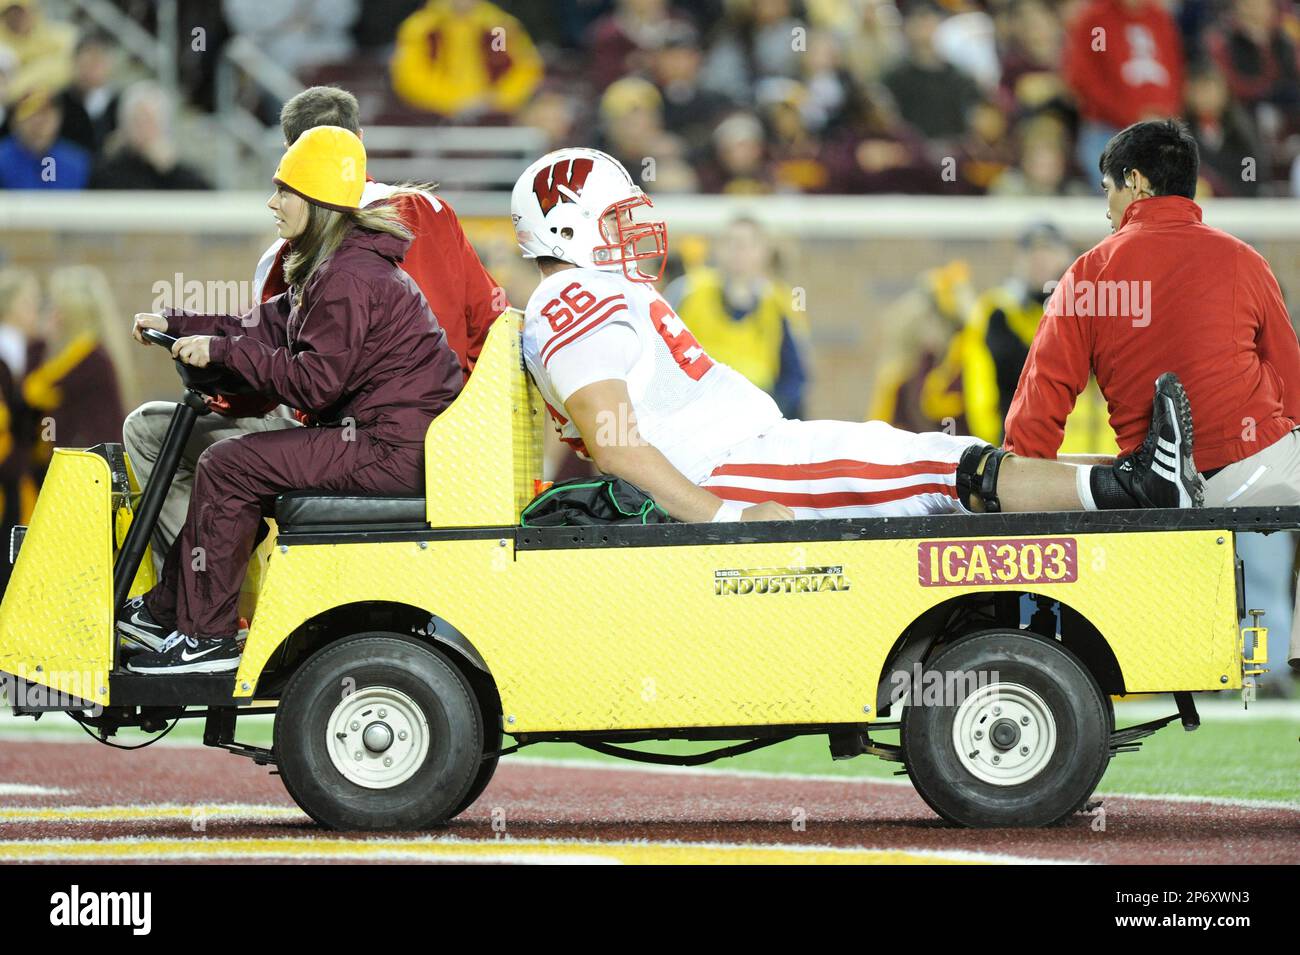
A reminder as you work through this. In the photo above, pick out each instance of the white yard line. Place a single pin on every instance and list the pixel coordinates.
(26, 789)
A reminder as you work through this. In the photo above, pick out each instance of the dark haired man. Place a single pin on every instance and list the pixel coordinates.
(459, 290)
(1165, 292)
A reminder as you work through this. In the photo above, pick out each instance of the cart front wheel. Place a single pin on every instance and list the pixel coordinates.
(1006, 730)
(378, 732)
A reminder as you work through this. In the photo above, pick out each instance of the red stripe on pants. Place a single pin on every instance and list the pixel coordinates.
(827, 499)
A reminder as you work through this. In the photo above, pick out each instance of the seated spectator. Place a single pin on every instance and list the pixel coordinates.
(743, 316)
(79, 387)
(757, 42)
(33, 156)
(872, 39)
(826, 81)
(739, 162)
(967, 41)
(986, 151)
(689, 109)
(1031, 61)
(623, 41)
(1043, 164)
(1258, 58)
(90, 102)
(43, 47)
(932, 94)
(465, 59)
(555, 114)
(142, 153)
(794, 152)
(1230, 153)
(1138, 74)
(632, 127)
(874, 151)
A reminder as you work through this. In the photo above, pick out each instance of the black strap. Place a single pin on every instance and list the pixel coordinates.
(698, 759)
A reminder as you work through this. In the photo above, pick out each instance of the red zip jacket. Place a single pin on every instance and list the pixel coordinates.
(362, 344)
(1124, 65)
(1212, 313)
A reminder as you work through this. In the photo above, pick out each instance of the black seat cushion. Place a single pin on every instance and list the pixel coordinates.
(303, 510)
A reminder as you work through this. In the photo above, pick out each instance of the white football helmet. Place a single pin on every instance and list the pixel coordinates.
(576, 205)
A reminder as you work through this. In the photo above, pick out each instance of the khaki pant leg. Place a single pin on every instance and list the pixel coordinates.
(142, 435)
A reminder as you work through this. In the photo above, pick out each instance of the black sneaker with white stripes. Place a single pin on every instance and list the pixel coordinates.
(138, 629)
(182, 654)
(1161, 472)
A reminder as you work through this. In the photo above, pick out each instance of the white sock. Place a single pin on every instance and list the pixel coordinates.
(1083, 484)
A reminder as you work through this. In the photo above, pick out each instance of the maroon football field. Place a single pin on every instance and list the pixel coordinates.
(70, 800)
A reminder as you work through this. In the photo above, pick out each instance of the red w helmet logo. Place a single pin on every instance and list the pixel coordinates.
(570, 173)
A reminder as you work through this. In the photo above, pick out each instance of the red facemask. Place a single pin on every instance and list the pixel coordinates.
(630, 243)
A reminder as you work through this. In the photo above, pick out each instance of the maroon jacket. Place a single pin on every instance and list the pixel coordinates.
(362, 344)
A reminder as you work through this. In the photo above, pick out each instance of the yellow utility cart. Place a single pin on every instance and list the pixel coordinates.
(399, 641)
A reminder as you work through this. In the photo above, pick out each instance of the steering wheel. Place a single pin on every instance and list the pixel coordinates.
(209, 381)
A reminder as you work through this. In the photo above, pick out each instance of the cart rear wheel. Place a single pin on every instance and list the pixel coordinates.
(1024, 740)
(378, 732)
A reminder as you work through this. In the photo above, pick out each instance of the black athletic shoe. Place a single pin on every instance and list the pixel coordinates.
(138, 629)
(1161, 472)
(182, 654)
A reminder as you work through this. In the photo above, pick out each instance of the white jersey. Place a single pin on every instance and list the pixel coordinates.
(584, 325)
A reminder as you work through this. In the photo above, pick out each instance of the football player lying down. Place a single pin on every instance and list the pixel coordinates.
(628, 386)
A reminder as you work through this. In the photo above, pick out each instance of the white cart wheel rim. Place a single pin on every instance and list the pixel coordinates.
(377, 737)
(1004, 734)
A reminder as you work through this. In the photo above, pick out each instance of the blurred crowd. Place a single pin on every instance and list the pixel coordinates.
(1002, 97)
(1008, 97)
(69, 117)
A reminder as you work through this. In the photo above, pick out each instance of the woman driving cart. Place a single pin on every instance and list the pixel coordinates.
(352, 342)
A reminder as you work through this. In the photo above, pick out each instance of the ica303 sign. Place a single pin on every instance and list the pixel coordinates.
(1047, 560)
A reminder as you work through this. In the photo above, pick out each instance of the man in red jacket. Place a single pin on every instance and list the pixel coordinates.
(462, 295)
(1166, 292)
(1123, 61)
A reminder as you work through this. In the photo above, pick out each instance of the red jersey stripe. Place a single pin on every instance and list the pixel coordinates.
(555, 414)
(555, 342)
(840, 468)
(612, 310)
(830, 498)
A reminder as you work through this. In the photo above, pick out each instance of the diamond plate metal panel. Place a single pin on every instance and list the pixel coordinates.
(56, 621)
(480, 474)
(624, 638)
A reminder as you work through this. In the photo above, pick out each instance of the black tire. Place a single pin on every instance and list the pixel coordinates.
(486, 770)
(1041, 788)
(420, 682)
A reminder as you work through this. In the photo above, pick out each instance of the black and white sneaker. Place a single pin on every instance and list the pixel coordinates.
(138, 629)
(1161, 472)
(182, 654)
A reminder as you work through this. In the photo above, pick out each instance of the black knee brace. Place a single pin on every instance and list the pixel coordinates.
(977, 473)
